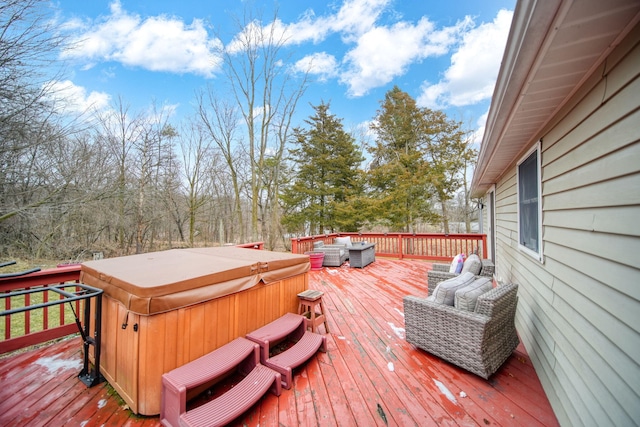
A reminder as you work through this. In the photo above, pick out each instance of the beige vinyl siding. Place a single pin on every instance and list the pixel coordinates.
(579, 311)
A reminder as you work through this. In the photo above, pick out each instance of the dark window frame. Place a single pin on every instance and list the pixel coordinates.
(529, 199)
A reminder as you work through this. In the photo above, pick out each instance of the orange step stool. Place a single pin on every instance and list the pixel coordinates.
(310, 306)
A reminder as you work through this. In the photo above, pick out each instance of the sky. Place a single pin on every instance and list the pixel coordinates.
(445, 54)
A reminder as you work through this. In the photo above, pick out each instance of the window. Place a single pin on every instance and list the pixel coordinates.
(529, 203)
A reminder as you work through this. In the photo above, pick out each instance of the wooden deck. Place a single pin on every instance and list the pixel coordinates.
(369, 376)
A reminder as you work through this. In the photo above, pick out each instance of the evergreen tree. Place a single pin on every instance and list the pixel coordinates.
(324, 192)
(399, 180)
(448, 152)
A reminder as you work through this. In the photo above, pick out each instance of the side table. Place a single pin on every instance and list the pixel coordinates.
(362, 254)
(310, 306)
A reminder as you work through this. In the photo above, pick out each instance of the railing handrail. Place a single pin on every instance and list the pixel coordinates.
(64, 274)
(426, 246)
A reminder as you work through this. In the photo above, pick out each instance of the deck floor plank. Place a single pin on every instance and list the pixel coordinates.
(269, 410)
(369, 375)
(323, 407)
(379, 336)
(347, 389)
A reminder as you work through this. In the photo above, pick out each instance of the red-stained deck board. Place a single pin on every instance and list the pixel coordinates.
(287, 411)
(369, 375)
(413, 375)
(385, 355)
(346, 388)
(304, 399)
(351, 352)
(320, 393)
(269, 410)
(339, 404)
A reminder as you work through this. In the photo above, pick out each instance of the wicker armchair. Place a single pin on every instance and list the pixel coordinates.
(479, 341)
(440, 272)
(334, 255)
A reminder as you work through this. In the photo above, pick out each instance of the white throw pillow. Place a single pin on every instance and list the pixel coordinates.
(458, 259)
(467, 297)
(343, 241)
(445, 292)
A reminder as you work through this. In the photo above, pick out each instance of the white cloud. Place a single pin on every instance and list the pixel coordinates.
(481, 127)
(356, 17)
(352, 19)
(321, 64)
(379, 54)
(70, 98)
(474, 67)
(374, 54)
(159, 43)
(383, 53)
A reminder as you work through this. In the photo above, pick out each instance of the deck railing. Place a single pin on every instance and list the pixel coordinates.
(42, 324)
(20, 330)
(425, 246)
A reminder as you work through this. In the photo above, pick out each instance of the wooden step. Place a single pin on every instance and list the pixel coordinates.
(234, 402)
(288, 327)
(240, 354)
(299, 353)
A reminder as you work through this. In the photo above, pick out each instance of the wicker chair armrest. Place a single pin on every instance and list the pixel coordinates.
(498, 302)
(441, 267)
(446, 312)
(328, 248)
(488, 268)
(432, 326)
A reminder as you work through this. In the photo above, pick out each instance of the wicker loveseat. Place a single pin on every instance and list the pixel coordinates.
(334, 255)
(479, 341)
(440, 272)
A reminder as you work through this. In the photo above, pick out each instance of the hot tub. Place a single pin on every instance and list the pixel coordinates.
(164, 309)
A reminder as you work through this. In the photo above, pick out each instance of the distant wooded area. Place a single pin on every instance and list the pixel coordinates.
(239, 169)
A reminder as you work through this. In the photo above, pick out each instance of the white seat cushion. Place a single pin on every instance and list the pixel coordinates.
(472, 265)
(445, 292)
(467, 296)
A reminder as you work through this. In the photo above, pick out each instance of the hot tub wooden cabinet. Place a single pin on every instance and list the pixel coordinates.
(164, 309)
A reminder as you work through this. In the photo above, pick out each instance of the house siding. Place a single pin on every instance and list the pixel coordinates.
(579, 309)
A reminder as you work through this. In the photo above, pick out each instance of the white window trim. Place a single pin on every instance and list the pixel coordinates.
(493, 223)
(539, 256)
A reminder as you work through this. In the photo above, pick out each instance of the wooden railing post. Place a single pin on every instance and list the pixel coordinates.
(485, 253)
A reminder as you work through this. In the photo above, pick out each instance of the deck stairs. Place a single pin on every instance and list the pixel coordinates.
(249, 356)
(241, 355)
(288, 327)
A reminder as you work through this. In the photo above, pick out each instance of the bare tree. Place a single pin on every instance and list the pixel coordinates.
(221, 120)
(267, 95)
(27, 48)
(196, 155)
(120, 131)
(152, 153)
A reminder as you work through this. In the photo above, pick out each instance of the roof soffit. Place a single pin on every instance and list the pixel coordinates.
(553, 47)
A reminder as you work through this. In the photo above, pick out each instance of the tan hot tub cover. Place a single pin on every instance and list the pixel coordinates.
(157, 282)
